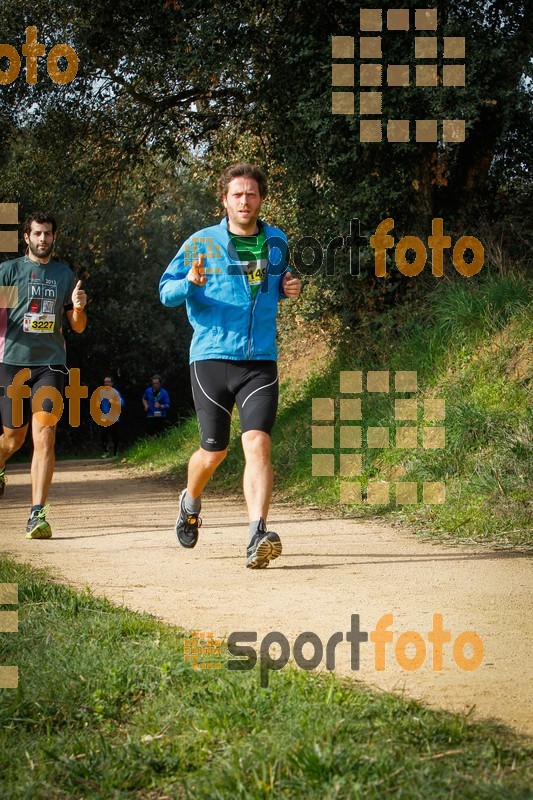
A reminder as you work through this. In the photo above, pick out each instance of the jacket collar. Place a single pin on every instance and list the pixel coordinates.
(260, 223)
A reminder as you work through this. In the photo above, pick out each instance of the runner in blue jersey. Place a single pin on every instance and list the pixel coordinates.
(231, 277)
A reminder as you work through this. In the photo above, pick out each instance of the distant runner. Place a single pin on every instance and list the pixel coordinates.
(110, 432)
(231, 290)
(31, 339)
(156, 403)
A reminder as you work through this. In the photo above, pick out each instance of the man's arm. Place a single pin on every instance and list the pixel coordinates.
(179, 281)
(77, 316)
(8, 287)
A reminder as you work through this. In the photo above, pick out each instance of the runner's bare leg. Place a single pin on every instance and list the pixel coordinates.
(43, 461)
(258, 474)
(202, 465)
(11, 440)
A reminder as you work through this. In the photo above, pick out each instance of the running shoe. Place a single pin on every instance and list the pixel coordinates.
(263, 548)
(2, 482)
(38, 527)
(187, 525)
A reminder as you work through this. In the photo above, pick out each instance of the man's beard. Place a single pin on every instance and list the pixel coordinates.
(41, 253)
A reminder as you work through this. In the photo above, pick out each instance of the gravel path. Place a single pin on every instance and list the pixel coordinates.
(113, 531)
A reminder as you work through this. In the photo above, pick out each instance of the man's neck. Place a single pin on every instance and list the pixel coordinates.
(239, 230)
(36, 260)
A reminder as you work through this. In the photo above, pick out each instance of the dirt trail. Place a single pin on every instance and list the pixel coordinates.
(114, 532)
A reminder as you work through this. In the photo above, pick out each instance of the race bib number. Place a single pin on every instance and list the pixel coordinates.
(255, 272)
(39, 323)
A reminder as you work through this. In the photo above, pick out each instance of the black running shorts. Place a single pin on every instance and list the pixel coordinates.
(217, 385)
(51, 375)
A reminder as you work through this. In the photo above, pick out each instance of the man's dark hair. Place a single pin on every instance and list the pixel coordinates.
(242, 170)
(156, 378)
(40, 217)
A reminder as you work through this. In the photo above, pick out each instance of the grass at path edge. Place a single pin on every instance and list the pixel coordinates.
(108, 708)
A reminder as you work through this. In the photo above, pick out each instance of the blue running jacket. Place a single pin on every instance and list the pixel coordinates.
(227, 324)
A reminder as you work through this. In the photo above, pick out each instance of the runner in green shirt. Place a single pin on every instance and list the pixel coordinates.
(31, 338)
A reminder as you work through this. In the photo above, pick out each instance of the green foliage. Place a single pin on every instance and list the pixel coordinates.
(471, 348)
(474, 311)
(108, 707)
(168, 93)
(162, 79)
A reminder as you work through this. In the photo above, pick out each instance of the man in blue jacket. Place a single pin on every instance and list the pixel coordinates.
(231, 277)
(156, 403)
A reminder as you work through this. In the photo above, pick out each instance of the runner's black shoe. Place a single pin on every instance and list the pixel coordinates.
(38, 527)
(2, 482)
(187, 525)
(263, 548)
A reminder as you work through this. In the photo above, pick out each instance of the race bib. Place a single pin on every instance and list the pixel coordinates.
(255, 272)
(39, 323)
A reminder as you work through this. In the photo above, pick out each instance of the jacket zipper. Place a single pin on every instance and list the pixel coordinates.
(253, 305)
(250, 325)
